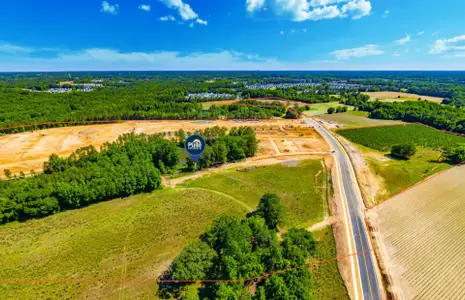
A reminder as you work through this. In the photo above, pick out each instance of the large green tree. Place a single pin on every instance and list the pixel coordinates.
(272, 210)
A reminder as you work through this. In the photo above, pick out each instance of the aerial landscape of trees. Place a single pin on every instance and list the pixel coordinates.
(235, 248)
(132, 164)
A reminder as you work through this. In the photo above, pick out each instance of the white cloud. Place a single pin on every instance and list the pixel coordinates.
(448, 45)
(435, 33)
(145, 7)
(108, 8)
(403, 41)
(356, 9)
(281, 32)
(421, 33)
(14, 49)
(368, 50)
(386, 14)
(253, 5)
(184, 9)
(167, 18)
(304, 30)
(396, 54)
(191, 25)
(200, 21)
(302, 10)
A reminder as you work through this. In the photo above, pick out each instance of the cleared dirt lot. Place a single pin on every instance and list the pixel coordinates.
(393, 96)
(28, 151)
(421, 236)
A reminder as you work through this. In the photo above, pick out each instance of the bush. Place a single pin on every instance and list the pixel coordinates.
(455, 154)
(404, 151)
(331, 110)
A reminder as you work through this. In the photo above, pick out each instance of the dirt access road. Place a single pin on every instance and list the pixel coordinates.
(29, 150)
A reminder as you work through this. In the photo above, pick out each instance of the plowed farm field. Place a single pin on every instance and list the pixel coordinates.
(421, 237)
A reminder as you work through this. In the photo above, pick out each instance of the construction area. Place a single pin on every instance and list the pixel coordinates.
(28, 151)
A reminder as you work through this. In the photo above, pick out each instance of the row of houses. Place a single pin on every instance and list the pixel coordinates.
(268, 86)
(210, 96)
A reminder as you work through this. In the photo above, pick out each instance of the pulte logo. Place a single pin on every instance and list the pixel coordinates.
(195, 145)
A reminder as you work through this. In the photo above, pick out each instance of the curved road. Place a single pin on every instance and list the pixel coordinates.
(366, 266)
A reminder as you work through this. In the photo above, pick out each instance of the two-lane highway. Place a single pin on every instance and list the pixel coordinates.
(366, 267)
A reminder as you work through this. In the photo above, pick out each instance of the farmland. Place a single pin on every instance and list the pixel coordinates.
(382, 138)
(420, 234)
(394, 96)
(137, 237)
(395, 175)
(352, 118)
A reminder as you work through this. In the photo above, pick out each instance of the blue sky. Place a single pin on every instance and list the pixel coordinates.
(57, 35)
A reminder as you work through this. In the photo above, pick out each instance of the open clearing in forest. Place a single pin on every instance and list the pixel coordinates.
(352, 119)
(322, 108)
(394, 97)
(136, 238)
(29, 150)
(421, 234)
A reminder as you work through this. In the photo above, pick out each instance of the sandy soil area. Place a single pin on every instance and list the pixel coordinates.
(29, 150)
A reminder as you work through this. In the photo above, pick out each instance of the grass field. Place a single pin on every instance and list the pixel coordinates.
(394, 97)
(382, 138)
(322, 108)
(326, 274)
(421, 234)
(401, 174)
(352, 118)
(302, 188)
(137, 237)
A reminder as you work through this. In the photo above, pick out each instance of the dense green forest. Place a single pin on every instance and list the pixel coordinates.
(132, 164)
(234, 249)
(163, 95)
(439, 116)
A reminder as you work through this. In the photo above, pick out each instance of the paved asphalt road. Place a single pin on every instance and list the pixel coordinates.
(367, 269)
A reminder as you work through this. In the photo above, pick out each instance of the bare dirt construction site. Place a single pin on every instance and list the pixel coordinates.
(29, 150)
(394, 96)
(420, 237)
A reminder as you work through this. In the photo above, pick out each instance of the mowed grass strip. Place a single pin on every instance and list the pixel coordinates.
(384, 137)
(302, 188)
(132, 238)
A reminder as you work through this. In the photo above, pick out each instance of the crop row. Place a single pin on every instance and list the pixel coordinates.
(382, 138)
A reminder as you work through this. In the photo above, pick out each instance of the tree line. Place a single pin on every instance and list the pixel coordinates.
(439, 116)
(130, 165)
(235, 248)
